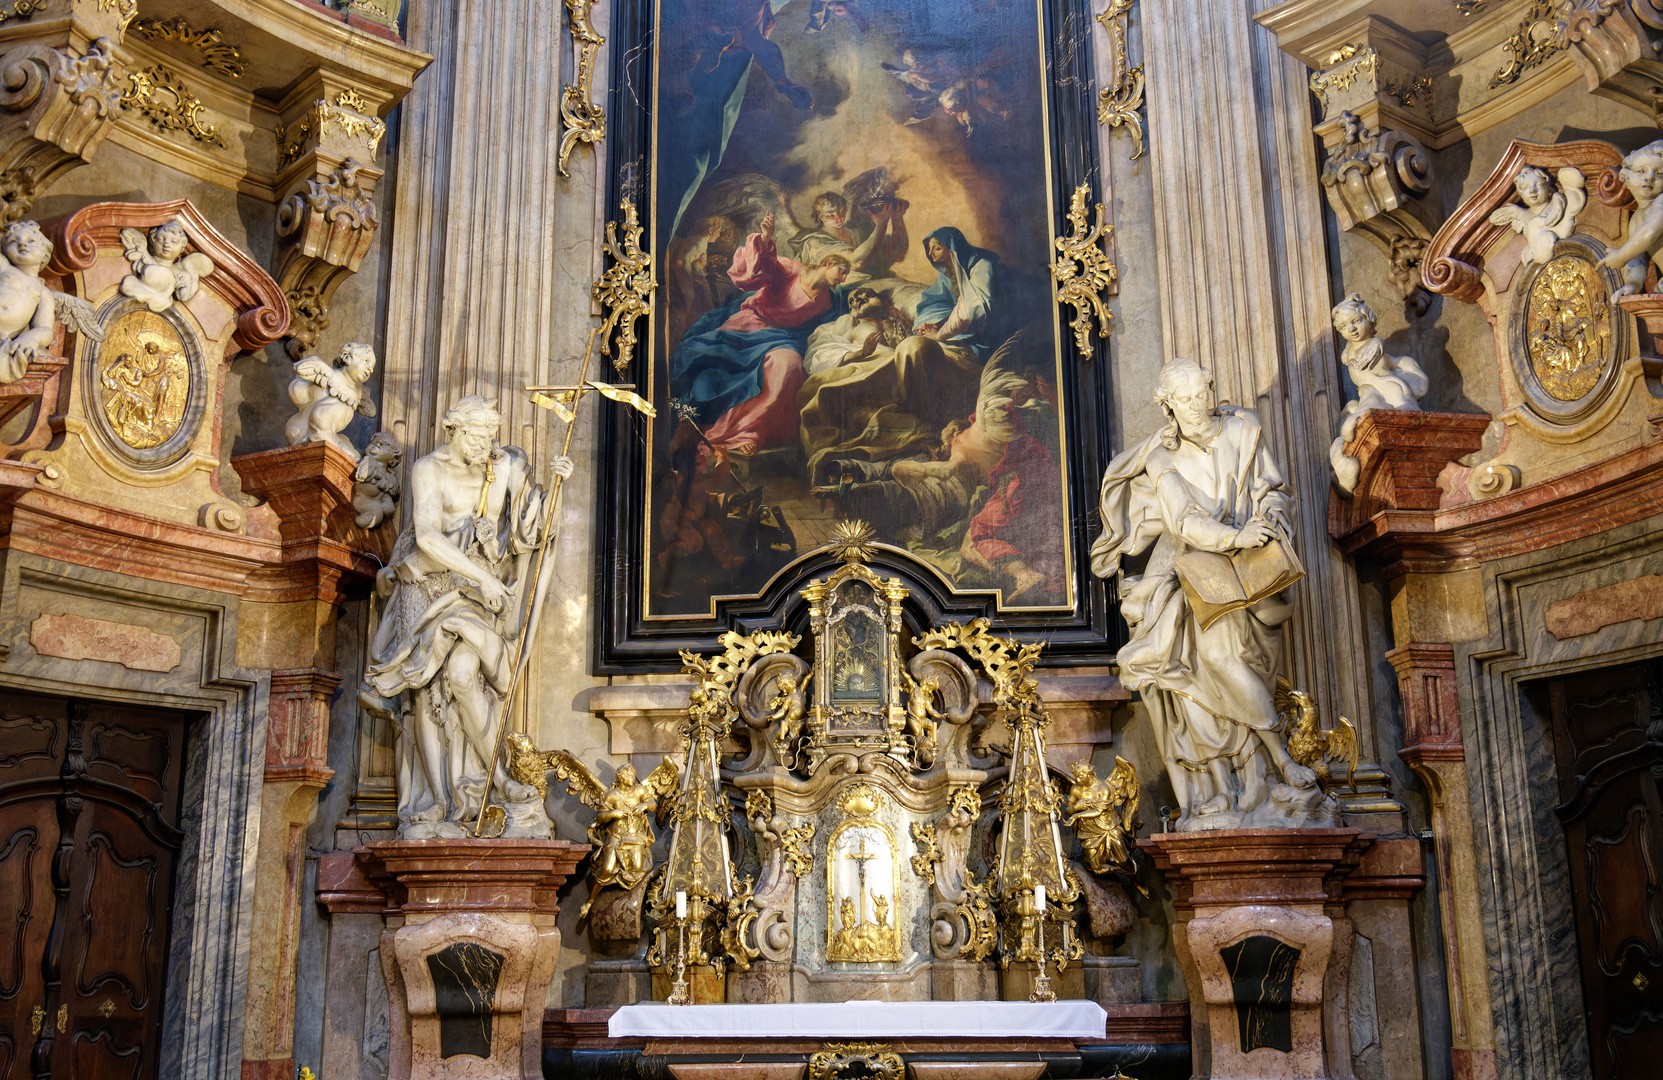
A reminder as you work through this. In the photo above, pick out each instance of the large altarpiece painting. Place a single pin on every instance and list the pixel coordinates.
(852, 208)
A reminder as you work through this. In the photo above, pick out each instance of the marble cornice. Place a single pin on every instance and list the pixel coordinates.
(1622, 489)
(260, 569)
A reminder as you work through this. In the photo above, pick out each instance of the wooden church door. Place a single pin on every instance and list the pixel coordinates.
(1608, 746)
(89, 838)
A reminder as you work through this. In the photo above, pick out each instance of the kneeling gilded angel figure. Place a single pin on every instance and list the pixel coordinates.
(623, 840)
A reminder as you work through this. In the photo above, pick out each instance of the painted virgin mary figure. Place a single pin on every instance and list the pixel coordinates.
(975, 304)
(740, 366)
(1206, 482)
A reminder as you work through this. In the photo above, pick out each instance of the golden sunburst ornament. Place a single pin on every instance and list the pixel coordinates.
(853, 540)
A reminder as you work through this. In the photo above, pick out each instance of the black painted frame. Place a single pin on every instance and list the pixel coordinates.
(627, 643)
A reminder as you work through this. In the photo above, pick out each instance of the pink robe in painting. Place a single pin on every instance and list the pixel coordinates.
(770, 418)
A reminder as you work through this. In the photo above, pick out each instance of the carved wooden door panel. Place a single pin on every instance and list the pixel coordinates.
(89, 805)
(1608, 743)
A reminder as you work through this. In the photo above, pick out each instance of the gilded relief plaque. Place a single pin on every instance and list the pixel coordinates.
(143, 379)
(1568, 327)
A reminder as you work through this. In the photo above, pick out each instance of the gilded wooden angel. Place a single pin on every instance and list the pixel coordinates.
(622, 837)
(923, 716)
(787, 707)
(1103, 815)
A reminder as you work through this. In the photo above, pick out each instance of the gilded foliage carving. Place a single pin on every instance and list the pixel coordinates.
(1085, 274)
(162, 98)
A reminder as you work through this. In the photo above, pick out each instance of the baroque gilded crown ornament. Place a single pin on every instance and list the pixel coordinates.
(1085, 273)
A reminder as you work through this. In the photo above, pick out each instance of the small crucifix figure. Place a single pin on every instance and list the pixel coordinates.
(861, 856)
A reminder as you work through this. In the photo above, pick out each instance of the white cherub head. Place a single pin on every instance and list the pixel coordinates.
(25, 246)
(1354, 319)
(1534, 186)
(168, 241)
(358, 360)
(1642, 173)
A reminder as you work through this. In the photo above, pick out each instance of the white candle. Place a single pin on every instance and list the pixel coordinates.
(1039, 897)
(681, 905)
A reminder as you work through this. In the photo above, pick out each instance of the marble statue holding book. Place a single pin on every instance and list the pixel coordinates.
(1202, 506)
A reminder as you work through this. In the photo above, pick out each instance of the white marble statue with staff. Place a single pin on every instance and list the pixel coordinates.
(1206, 501)
(457, 596)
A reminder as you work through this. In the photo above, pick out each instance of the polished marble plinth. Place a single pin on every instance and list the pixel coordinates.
(1265, 943)
(469, 954)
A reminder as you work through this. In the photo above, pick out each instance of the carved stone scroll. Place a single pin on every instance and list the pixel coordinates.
(57, 105)
(328, 226)
(1375, 181)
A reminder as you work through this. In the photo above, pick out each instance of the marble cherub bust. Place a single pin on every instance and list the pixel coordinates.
(1547, 216)
(1383, 381)
(1642, 174)
(29, 309)
(328, 395)
(162, 272)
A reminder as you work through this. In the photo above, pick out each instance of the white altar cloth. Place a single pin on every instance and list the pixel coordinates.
(863, 1020)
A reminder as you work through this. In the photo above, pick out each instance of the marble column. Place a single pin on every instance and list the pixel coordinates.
(1240, 256)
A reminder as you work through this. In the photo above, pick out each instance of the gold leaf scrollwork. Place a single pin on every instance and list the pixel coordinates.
(1085, 273)
(21, 10)
(923, 864)
(625, 290)
(880, 1062)
(218, 57)
(125, 9)
(1119, 102)
(583, 119)
(795, 843)
(1536, 39)
(159, 96)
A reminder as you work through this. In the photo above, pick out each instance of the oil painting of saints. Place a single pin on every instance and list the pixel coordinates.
(852, 205)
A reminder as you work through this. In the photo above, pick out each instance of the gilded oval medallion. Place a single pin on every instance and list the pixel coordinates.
(1569, 327)
(144, 379)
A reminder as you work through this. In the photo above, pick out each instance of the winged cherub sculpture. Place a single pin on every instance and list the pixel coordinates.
(1103, 814)
(622, 838)
(1547, 216)
(787, 706)
(328, 395)
(29, 309)
(162, 272)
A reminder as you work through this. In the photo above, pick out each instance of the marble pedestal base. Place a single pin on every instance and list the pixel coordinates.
(1017, 981)
(706, 984)
(765, 982)
(469, 957)
(612, 983)
(1265, 945)
(962, 980)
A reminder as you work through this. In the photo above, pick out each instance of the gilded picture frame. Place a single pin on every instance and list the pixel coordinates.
(829, 134)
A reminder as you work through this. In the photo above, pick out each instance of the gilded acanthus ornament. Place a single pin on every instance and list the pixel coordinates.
(1119, 102)
(1103, 815)
(582, 118)
(217, 57)
(625, 289)
(620, 833)
(1532, 44)
(1085, 273)
(879, 1061)
(161, 97)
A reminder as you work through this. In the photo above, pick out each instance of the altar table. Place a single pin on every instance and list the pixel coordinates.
(863, 1020)
(938, 1040)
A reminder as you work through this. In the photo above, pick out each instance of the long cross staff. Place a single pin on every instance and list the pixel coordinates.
(564, 401)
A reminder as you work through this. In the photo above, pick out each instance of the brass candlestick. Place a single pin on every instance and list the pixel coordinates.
(1042, 982)
(678, 989)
